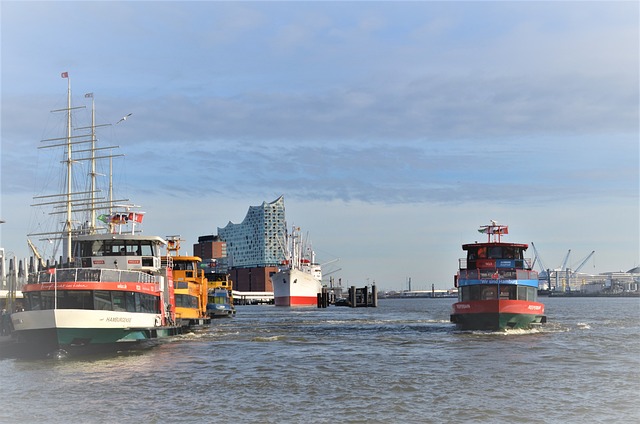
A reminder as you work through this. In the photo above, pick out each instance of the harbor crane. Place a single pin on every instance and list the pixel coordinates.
(564, 263)
(584, 262)
(573, 274)
(538, 259)
(543, 269)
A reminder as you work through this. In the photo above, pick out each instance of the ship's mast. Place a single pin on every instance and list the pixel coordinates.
(92, 221)
(67, 226)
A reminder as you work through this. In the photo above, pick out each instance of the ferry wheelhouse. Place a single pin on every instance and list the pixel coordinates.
(497, 289)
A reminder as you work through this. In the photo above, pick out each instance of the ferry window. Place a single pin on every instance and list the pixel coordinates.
(118, 301)
(102, 300)
(472, 254)
(182, 285)
(507, 292)
(509, 253)
(148, 303)
(33, 301)
(482, 253)
(495, 252)
(96, 248)
(145, 248)
(46, 300)
(88, 274)
(489, 292)
(130, 301)
(527, 293)
(75, 299)
(471, 293)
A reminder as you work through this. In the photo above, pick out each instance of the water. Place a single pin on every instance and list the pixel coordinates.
(399, 363)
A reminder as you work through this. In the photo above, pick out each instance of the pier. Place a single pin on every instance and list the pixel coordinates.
(358, 298)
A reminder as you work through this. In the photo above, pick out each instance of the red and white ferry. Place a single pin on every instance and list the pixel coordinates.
(497, 289)
(110, 289)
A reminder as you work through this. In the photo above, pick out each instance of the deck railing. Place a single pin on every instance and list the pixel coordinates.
(63, 275)
(497, 274)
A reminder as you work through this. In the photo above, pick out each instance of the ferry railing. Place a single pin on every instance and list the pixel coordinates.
(64, 275)
(497, 274)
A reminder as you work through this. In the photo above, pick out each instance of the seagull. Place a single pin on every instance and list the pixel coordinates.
(123, 118)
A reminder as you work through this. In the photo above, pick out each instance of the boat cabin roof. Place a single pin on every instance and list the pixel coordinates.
(110, 236)
(521, 246)
(186, 259)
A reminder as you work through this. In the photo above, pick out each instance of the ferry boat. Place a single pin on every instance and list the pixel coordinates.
(110, 289)
(299, 278)
(220, 295)
(497, 289)
(190, 287)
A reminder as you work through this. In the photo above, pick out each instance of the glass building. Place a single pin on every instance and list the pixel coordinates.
(258, 241)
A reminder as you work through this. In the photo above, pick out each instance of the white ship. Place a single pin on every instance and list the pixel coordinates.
(299, 279)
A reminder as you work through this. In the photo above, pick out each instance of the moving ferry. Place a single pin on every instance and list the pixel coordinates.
(497, 289)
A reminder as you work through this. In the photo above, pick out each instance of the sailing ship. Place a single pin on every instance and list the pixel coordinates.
(110, 289)
(497, 288)
(299, 278)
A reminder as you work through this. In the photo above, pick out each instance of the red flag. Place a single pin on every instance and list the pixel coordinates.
(65, 75)
(136, 216)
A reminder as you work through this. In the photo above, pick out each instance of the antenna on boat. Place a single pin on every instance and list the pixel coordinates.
(494, 231)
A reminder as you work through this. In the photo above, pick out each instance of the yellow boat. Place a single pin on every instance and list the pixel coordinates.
(190, 287)
(220, 296)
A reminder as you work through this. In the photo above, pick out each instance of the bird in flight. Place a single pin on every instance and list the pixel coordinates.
(123, 118)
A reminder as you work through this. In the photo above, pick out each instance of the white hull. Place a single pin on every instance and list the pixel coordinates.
(292, 287)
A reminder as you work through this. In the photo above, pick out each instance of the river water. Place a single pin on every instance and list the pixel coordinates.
(401, 362)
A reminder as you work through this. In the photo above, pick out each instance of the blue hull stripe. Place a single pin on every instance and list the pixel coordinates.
(529, 283)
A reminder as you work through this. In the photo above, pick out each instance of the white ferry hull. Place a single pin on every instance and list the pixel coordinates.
(295, 288)
(85, 331)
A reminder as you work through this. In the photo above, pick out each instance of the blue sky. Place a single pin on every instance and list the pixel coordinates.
(393, 129)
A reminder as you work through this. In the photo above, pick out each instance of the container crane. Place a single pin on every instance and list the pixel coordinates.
(543, 269)
(575, 272)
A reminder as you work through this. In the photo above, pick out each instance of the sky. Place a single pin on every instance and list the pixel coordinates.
(393, 129)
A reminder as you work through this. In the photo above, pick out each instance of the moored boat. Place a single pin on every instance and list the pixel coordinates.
(110, 289)
(497, 289)
(220, 295)
(299, 279)
(190, 287)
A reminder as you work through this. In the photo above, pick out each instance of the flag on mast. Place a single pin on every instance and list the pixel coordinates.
(65, 75)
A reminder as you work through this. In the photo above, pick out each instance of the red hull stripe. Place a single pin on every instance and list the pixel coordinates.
(296, 301)
(93, 285)
(498, 306)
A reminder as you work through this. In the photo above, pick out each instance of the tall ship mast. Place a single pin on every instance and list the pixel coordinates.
(113, 289)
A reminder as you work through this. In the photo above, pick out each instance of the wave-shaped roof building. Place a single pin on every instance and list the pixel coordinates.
(258, 241)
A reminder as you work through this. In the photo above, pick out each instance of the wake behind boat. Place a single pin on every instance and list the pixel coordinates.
(497, 289)
(299, 279)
